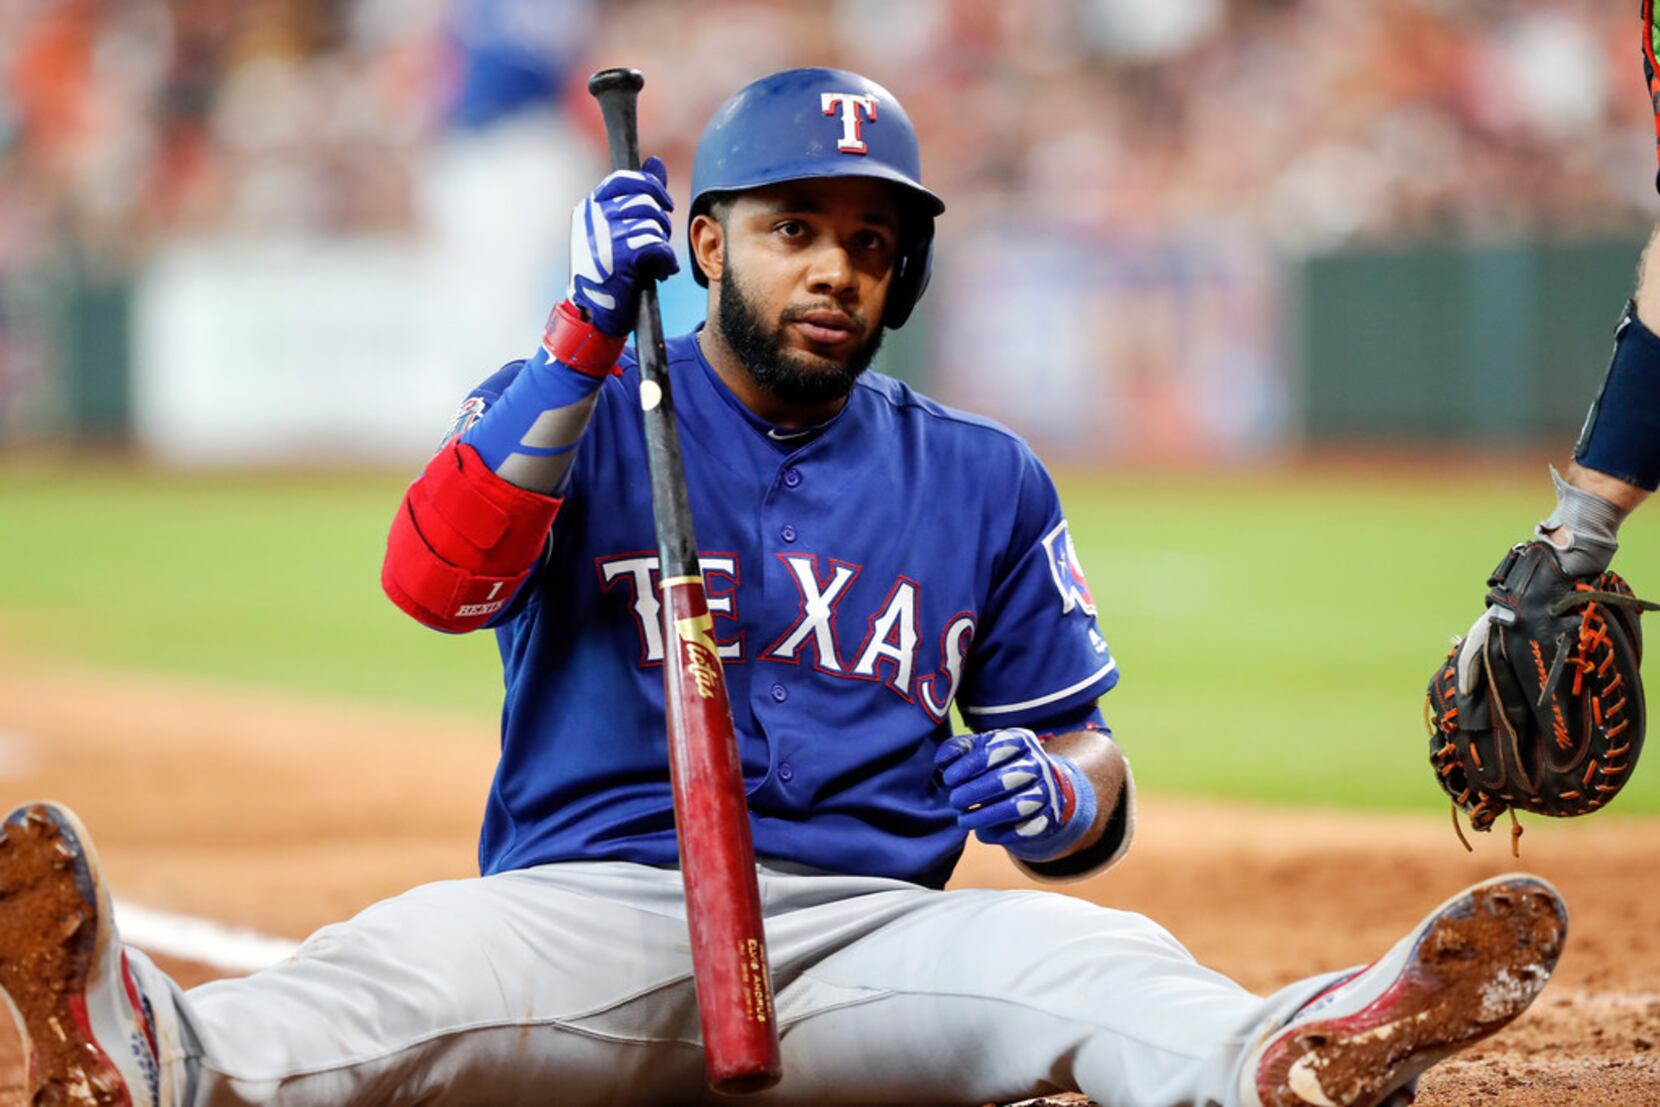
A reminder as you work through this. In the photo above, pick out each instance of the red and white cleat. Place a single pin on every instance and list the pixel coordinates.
(88, 1034)
(1473, 965)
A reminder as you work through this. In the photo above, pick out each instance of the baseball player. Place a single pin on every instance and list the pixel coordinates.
(1540, 707)
(873, 560)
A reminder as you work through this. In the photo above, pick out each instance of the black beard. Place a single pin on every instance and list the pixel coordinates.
(777, 370)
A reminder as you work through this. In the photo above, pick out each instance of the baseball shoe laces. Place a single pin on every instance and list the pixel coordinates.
(1469, 968)
(87, 1030)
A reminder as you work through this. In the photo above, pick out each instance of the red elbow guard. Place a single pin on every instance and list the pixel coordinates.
(463, 541)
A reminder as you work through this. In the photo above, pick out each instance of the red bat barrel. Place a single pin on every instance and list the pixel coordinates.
(717, 856)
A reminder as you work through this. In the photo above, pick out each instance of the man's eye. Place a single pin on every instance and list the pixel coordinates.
(870, 240)
(791, 228)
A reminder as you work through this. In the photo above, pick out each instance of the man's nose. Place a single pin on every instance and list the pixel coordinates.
(831, 273)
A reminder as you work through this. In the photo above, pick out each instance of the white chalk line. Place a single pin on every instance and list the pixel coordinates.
(203, 941)
(19, 753)
(186, 937)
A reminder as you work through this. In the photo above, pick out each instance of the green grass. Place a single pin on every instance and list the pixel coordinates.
(269, 580)
(1275, 632)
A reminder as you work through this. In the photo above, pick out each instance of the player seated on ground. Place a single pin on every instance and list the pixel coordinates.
(874, 558)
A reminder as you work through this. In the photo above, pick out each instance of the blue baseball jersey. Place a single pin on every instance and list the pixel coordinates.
(864, 576)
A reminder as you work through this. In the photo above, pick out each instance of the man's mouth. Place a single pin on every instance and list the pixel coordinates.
(826, 328)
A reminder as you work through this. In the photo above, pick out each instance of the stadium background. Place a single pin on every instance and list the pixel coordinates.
(1297, 296)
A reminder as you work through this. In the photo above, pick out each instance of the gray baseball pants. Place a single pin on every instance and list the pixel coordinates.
(571, 984)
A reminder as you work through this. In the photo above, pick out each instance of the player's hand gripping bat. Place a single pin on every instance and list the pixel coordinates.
(717, 858)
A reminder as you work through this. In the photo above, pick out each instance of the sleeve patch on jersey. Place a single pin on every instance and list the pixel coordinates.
(470, 411)
(1066, 572)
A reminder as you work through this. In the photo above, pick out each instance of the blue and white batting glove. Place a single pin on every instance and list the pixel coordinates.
(619, 237)
(1013, 793)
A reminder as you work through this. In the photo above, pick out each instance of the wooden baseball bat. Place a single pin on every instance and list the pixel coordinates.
(717, 857)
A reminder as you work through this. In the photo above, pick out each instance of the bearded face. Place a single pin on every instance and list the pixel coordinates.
(798, 376)
(802, 271)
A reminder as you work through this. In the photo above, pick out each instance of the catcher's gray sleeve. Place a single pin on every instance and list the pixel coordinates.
(1586, 527)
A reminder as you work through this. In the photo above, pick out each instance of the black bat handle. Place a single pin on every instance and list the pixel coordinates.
(618, 92)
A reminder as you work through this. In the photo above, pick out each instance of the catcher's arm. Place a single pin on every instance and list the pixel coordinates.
(1617, 457)
(1616, 461)
(1625, 487)
(1540, 706)
(1591, 505)
(1623, 495)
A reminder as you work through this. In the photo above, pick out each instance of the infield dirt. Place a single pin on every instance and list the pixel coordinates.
(280, 814)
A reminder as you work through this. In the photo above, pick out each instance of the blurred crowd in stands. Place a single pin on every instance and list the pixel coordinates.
(1321, 121)
(1312, 123)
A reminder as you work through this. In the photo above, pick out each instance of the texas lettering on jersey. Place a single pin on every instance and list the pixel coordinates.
(887, 651)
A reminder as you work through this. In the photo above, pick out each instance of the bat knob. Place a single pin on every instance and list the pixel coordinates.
(616, 80)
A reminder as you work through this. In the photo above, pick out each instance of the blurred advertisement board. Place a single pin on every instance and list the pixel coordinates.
(1098, 347)
(314, 351)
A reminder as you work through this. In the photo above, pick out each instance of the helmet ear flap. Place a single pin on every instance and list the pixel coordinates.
(911, 271)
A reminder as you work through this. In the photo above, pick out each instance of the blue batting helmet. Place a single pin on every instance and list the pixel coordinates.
(805, 123)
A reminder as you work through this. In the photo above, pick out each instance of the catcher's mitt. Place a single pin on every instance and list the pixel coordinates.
(1540, 708)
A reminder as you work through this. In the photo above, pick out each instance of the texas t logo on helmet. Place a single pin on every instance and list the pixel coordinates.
(852, 140)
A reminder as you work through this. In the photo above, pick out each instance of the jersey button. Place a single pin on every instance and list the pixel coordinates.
(787, 533)
(779, 693)
(792, 476)
(785, 773)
